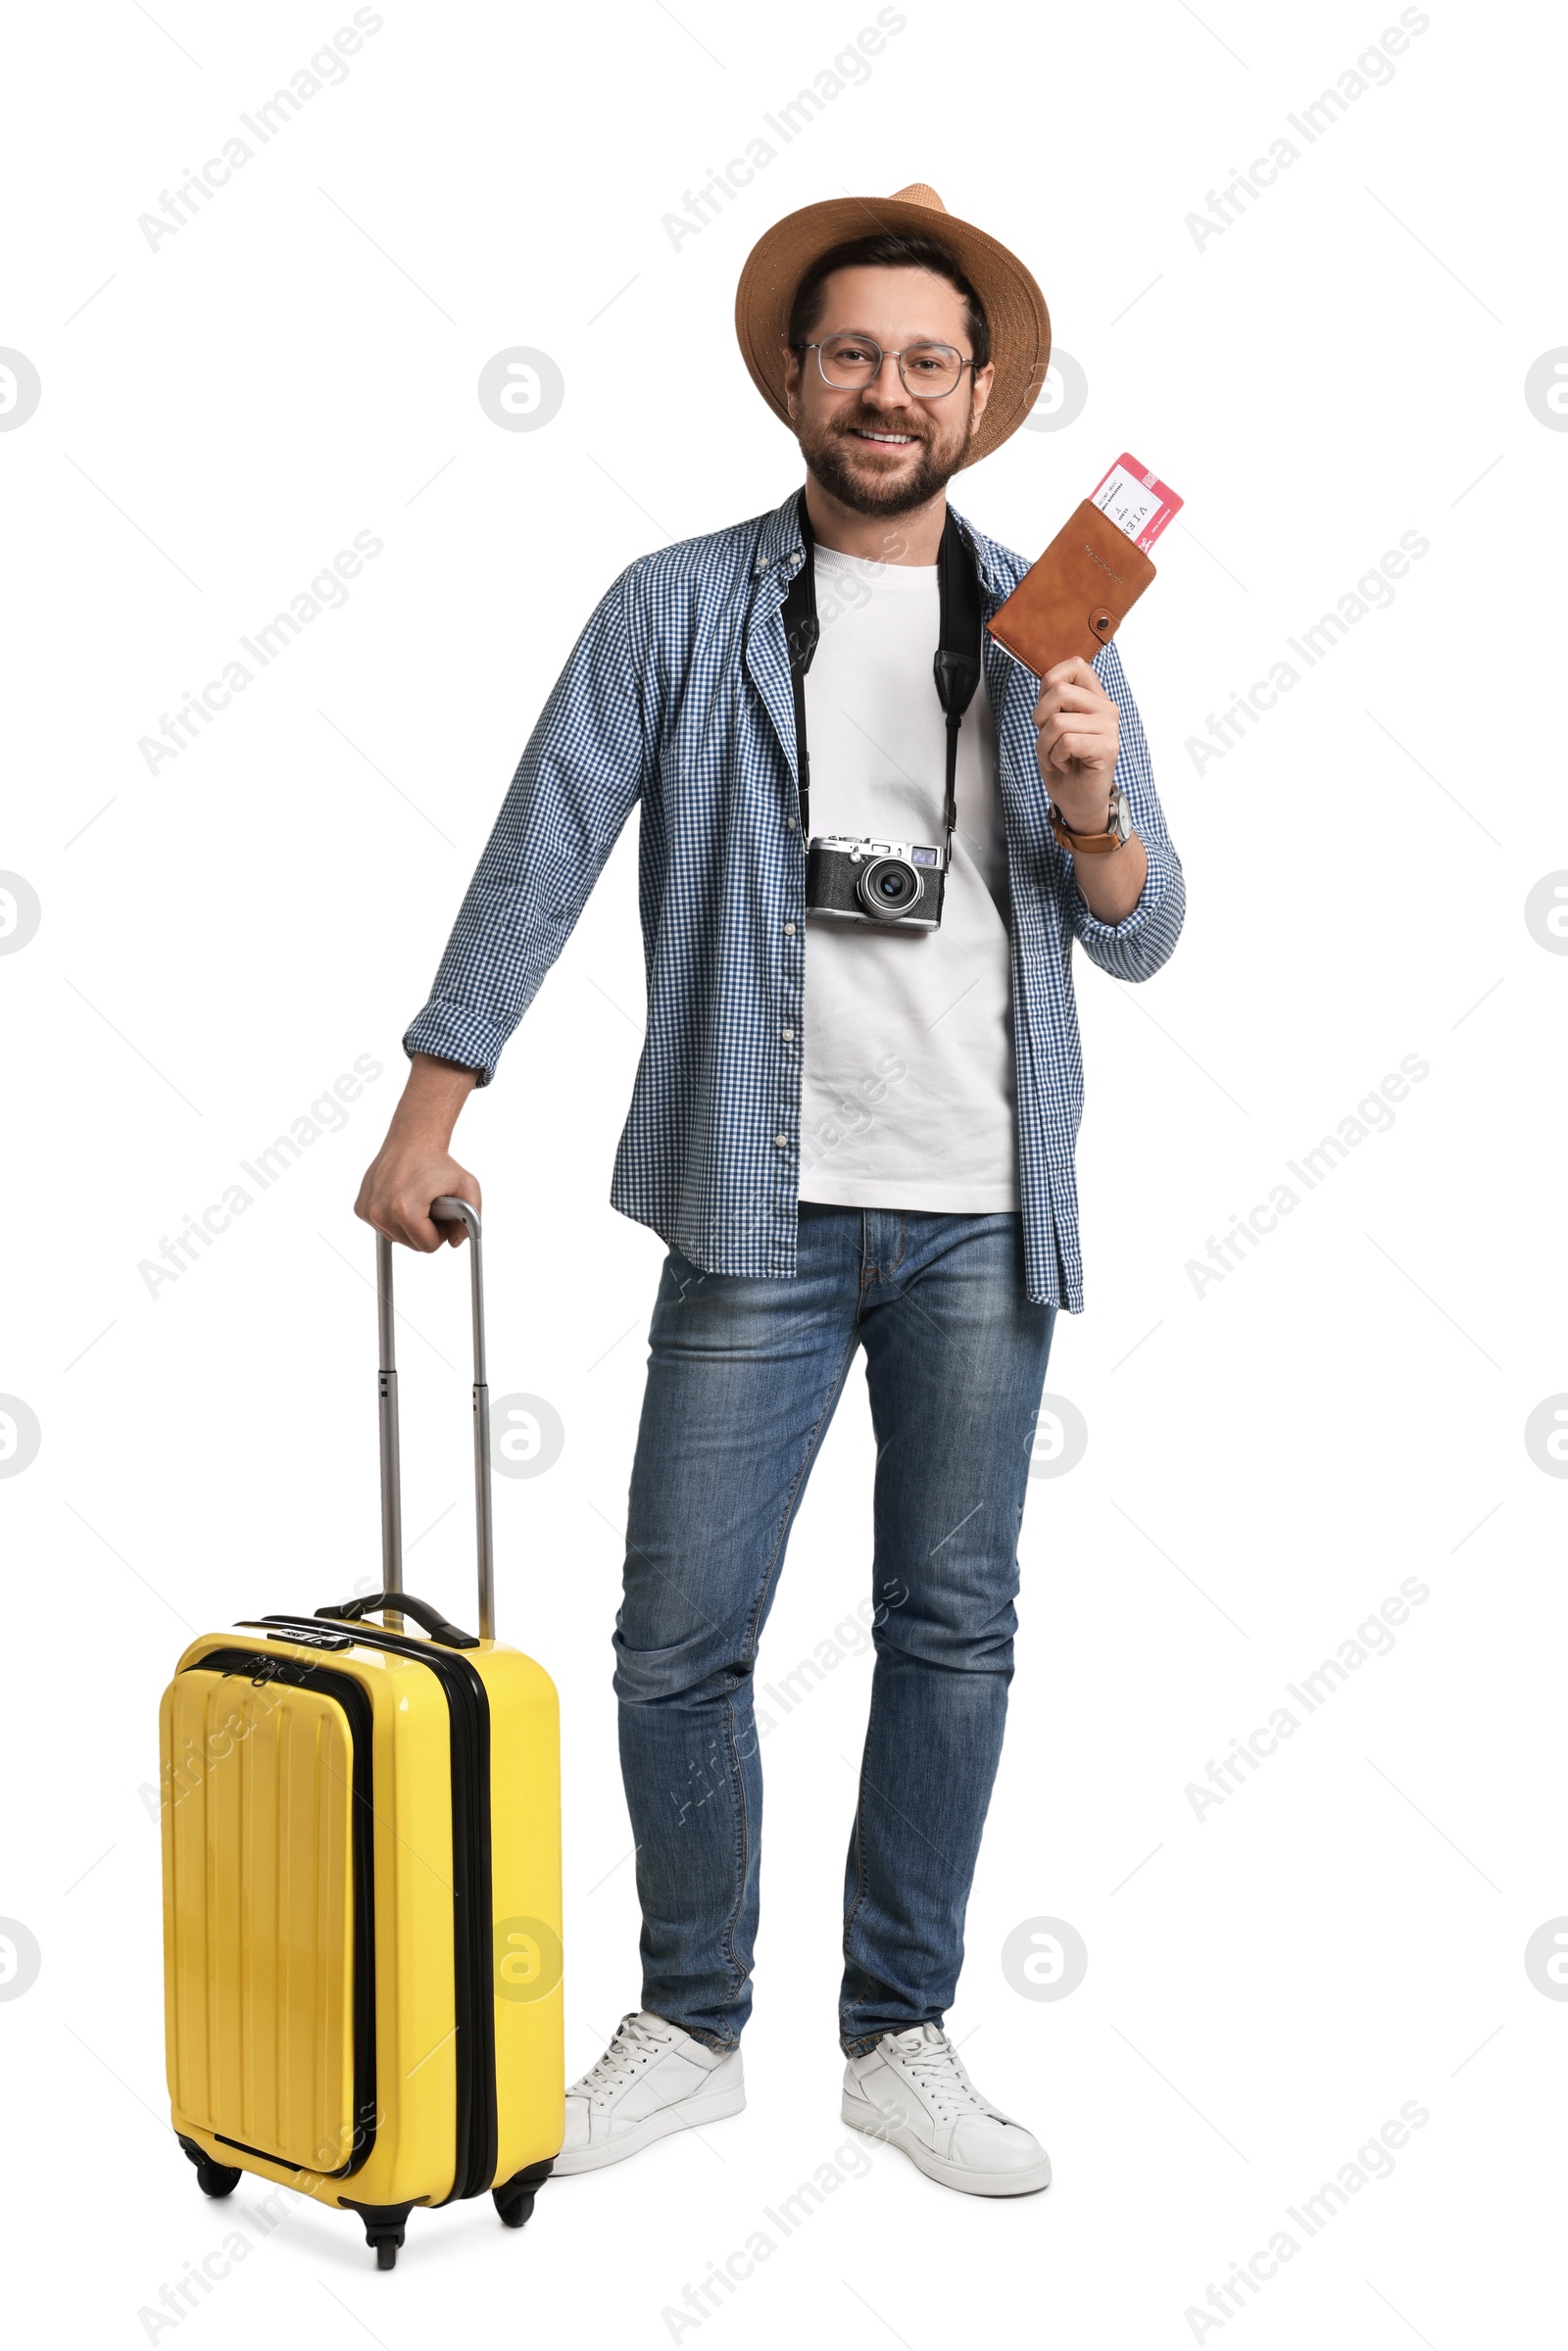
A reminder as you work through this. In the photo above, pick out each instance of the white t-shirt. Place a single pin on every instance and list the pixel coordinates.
(907, 1072)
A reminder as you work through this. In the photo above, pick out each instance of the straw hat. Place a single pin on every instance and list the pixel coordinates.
(1015, 306)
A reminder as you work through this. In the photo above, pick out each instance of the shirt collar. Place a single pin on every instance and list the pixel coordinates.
(780, 547)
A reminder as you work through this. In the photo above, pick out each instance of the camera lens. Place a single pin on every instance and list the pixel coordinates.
(889, 887)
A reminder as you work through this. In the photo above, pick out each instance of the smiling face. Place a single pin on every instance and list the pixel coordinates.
(882, 450)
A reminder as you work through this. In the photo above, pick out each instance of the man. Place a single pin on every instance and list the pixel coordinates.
(850, 1133)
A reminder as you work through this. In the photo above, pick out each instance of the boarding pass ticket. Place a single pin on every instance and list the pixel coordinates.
(1136, 501)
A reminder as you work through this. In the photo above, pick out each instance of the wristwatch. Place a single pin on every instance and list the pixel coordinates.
(1118, 829)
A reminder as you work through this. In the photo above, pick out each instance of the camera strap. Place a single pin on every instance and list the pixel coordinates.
(956, 667)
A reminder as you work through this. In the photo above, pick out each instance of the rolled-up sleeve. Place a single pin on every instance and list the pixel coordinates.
(1135, 947)
(578, 779)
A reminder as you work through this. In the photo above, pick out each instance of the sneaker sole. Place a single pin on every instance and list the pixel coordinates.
(682, 2117)
(862, 2115)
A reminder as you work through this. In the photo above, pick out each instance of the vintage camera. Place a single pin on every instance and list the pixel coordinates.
(892, 883)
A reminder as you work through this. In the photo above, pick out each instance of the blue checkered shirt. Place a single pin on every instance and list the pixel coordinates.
(679, 694)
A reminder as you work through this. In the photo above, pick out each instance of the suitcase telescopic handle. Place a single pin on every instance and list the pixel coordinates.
(446, 1210)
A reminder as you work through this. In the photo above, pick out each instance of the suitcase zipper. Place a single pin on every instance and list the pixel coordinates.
(473, 1923)
(347, 1693)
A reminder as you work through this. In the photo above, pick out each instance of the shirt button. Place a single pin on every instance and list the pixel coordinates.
(790, 822)
(787, 1035)
(789, 930)
(782, 1141)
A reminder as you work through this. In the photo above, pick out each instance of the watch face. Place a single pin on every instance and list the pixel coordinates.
(1122, 818)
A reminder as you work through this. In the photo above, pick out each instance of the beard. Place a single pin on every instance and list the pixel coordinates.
(844, 469)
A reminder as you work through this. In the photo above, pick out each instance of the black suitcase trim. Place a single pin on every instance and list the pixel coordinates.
(347, 1693)
(473, 1915)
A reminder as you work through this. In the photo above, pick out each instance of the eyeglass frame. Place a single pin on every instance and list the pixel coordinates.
(928, 343)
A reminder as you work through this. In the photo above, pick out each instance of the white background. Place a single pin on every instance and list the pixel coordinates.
(1266, 1463)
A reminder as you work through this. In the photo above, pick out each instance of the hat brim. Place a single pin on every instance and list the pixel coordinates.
(1015, 306)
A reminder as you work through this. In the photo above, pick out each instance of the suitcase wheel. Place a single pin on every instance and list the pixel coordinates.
(212, 2178)
(513, 2199)
(515, 2205)
(383, 2228)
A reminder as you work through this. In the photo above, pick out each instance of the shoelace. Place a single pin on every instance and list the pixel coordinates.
(632, 2046)
(938, 2070)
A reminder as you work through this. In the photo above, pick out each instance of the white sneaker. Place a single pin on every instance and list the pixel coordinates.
(911, 2091)
(652, 2080)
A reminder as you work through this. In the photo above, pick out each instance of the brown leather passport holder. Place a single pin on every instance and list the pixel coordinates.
(1076, 597)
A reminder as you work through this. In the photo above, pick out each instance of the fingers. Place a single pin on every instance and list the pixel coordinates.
(1070, 749)
(424, 1233)
(1074, 671)
(395, 1200)
(1075, 709)
(466, 1188)
(405, 1217)
(1070, 685)
(1079, 735)
(456, 1233)
(1079, 727)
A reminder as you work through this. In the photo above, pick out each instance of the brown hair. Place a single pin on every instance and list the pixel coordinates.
(887, 249)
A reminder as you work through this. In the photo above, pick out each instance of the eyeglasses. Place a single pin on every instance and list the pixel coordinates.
(850, 361)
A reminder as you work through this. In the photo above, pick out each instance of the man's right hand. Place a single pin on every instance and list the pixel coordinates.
(414, 1164)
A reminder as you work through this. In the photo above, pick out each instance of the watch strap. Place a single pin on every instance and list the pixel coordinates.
(1092, 845)
(1086, 845)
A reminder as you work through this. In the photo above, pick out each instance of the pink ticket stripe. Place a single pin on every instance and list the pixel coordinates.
(1170, 505)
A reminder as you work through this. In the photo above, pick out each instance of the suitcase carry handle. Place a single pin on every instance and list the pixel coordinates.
(434, 1623)
(446, 1210)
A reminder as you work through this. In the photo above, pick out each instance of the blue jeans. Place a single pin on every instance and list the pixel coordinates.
(742, 1378)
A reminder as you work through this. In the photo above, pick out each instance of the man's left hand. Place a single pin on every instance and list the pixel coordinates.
(1077, 744)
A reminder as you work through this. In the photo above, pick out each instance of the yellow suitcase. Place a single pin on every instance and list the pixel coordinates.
(361, 1886)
